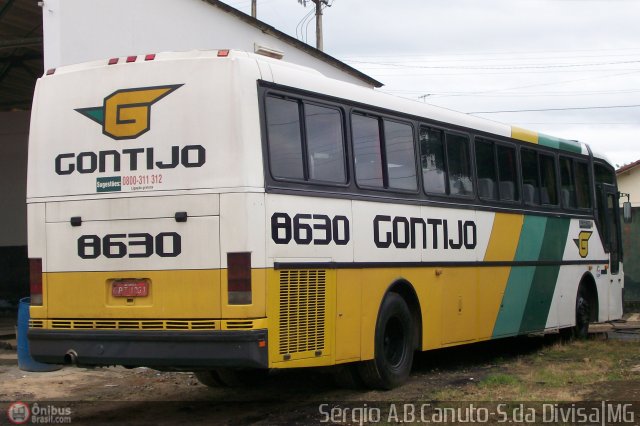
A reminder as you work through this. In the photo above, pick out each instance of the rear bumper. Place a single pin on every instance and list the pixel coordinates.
(160, 349)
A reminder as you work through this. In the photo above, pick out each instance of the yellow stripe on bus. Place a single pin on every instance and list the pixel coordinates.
(492, 281)
(524, 134)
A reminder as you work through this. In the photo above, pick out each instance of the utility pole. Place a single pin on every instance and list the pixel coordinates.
(254, 8)
(319, 44)
(319, 5)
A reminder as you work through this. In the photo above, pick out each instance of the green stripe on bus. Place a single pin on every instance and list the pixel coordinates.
(557, 143)
(545, 278)
(520, 278)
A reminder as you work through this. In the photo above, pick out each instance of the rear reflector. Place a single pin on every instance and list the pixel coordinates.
(131, 58)
(239, 278)
(150, 57)
(113, 61)
(35, 281)
(223, 53)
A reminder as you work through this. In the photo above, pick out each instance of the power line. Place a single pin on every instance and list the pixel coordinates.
(445, 58)
(504, 52)
(556, 109)
(551, 123)
(545, 84)
(517, 94)
(510, 67)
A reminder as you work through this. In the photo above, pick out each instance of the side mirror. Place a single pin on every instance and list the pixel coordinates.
(626, 212)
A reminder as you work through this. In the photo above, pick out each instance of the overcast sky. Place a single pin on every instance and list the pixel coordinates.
(480, 56)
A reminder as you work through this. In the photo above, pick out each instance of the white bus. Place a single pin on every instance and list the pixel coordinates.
(227, 213)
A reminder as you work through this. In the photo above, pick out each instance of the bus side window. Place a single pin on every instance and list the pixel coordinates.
(507, 174)
(366, 146)
(602, 176)
(530, 178)
(325, 144)
(432, 161)
(548, 189)
(583, 188)
(459, 162)
(401, 157)
(486, 169)
(567, 185)
(284, 138)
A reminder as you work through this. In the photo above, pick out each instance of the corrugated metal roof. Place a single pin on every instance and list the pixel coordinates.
(20, 52)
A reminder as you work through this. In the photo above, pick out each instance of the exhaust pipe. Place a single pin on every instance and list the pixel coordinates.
(71, 358)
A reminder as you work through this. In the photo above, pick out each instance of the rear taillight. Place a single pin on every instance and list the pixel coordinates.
(239, 278)
(35, 281)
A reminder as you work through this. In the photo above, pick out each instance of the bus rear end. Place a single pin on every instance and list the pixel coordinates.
(140, 169)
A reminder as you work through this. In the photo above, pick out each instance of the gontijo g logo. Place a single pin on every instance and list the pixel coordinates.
(126, 113)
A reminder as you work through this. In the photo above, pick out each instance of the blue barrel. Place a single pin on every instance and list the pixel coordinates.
(25, 362)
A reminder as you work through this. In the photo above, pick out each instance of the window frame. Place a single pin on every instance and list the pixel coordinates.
(496, 165)
(472, 171)
(574, 160)
(383, 152)
(556, 169)
(350, 190)
(554, 158)
(444, 159)
(306, 179)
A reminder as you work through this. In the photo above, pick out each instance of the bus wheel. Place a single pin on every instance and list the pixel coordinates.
(209, 378)
(393, 347)
(581, 330)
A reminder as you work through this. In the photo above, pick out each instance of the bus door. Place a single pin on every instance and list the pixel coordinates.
(611, 226)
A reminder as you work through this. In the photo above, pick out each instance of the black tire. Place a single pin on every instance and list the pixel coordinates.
(581, 329)
(209, 378)
(393, 347)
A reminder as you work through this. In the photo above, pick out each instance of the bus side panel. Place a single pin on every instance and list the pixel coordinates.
(349, 297)
(505, 234)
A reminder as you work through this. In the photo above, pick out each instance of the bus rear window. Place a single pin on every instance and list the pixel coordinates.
(284, 138)
(401, 158)
(432, 160)
(313, 152)
(366, 145)
(325, 146)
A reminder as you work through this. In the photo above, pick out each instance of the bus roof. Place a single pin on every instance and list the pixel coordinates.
(305, 78)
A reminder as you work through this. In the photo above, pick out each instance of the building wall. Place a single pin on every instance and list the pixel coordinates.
(629, 182)
(84, 30)
(14, 131)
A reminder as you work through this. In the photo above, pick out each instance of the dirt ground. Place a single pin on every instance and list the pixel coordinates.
(518, 369)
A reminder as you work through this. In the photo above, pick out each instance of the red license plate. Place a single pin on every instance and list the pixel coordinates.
(130, 288)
